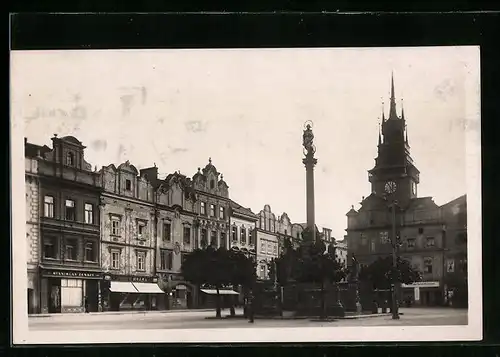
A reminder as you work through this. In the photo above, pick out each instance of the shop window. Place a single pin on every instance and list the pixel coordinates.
(141, 261)
(90, 252)
(115, 259)
(89, 213)
(70, 210)
(115, 226)
(428, 265)
(167, 231)
(50, 248)
(243, 236)
(187, 235)
(71, 249)
(234, 234)
(71, 292)
(450, 266)
(48, 206)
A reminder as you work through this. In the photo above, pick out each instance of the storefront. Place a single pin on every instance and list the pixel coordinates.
(208, 297)
(424, 293)
(68, 291)
(179, 294)
(33, 293)
(123, 293)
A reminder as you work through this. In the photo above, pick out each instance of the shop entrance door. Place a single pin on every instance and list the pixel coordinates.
(54, 297)
(92, 292)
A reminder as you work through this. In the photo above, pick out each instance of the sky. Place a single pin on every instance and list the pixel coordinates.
(246, 109)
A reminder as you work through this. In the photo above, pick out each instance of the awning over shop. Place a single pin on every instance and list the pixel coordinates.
(122, 287)
(221, 292)
(148, 288)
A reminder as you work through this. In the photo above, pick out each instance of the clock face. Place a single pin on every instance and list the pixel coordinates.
(390, 187)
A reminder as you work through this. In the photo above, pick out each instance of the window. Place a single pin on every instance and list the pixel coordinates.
(167, 231)
(262, 247)
(269, 248)
(421, 230)
(166, 259)
(410, 242)
(286, 233)
(203, 238)
(70, 159)
(71, 249)
(89, 213)
(115, 259)
(212, 210)
(128, 185)
(90, 255)
(115, 226)
(275, 249)
(428, 265)
(363, 239)
(141, 230)
(450, 266)
(187, 235)
(71, 292)
(234, 234)
(430, 242)
(243, 235)
(141, 261)
(263, 271)
(70, 210)
(49, 248)
(222, 213)
(384, 237)
(213, 238)
(252, 234)
(373, 246)
(48, 206)
(222, 239)
(203, 208)
(212, 184)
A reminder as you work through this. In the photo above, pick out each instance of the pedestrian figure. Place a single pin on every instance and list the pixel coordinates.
(86, 304)
(251, 308)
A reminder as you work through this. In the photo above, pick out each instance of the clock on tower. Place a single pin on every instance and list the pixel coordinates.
(390, 187)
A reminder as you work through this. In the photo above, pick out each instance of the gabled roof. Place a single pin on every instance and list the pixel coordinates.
(422, 203)
(372, 202)
(237, 208)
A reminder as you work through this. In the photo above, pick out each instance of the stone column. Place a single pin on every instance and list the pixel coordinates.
(309, 161)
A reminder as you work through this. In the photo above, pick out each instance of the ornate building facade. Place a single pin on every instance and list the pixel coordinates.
(420, 227)
(243, 236)
(68, 209)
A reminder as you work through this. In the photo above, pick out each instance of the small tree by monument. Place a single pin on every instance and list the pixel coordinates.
(380, 273)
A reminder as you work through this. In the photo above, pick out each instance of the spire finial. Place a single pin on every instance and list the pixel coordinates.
(209, 160)
(402, 109)
(222, 176)
(383, 112)
(392, 112)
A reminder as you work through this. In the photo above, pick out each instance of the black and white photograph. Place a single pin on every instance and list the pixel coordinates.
(246, 195)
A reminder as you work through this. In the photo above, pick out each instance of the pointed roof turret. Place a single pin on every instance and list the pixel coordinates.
(392, 112)
(379, 135)
(406, 134)
(383, 112)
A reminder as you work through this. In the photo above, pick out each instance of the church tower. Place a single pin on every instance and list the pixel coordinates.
(394, 175)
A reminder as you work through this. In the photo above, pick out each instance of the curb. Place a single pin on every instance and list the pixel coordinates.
(111, 313)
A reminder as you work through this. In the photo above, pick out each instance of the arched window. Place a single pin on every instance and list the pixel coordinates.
(70, 159)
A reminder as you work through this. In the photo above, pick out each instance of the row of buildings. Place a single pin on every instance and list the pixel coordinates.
(115, 238)
(432, 237)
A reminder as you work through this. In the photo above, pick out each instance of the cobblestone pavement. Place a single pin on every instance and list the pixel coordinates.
(198, 319)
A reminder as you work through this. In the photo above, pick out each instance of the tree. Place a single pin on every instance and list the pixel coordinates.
(380, 273)
(210, 266)
(243, 271)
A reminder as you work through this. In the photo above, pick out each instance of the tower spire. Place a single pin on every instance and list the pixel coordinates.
(406, 134)
(402, 109)
(392, 111)
(383, 112)
(379, 136)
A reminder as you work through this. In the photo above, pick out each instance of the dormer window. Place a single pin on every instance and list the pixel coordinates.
(212, 184)
(70, 159)
(128, 185)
